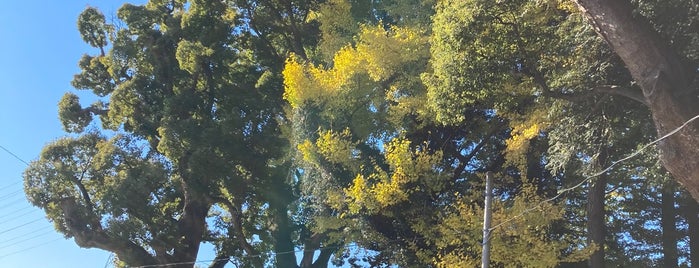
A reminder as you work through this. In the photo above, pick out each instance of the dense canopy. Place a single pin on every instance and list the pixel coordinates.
(312, 133)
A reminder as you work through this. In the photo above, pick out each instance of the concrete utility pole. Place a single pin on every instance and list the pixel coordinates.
(487, 217)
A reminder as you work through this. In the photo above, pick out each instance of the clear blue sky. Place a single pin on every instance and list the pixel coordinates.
(39, 50)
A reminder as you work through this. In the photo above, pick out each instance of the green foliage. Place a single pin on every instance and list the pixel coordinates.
(513, 236)
(95, 76)
(87, 181)
(185, 89)
(268, 126)
(675, 21)
(93, 28)
(395, 181)
(72, 115)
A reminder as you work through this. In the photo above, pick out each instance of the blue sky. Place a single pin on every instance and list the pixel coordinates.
(39, 50)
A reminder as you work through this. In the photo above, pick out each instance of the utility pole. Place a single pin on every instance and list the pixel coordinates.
(487, 217)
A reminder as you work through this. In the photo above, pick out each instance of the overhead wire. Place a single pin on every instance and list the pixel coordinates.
(16, 192)
(17, 216)
(14, 155)
(597, 174)
(19, 159)
(30, 232)
(109, 260)
(15, 211)
(31, 247)
(26, 236)
(524, 212)
(6, 216)
(21, 225)
(10, 185)
(347, 246)
(14, 202)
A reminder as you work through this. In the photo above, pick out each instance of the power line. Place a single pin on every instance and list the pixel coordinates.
(347, 246)
(559, 194)
(179, 263)
(15, 211)
(49, 231)
(17, 216)
(350, 245)
(13, 202)
(14, 155)
(11, 186)
(11, 194)
(21, 225)
(31, 247)
(109, 260)
(8, 186)
(588, 178)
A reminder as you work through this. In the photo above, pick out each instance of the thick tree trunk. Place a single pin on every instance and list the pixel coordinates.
(665, 82)
(281, 230)
(596, 227)
(285, 256)
(667, 222)
(192, 227)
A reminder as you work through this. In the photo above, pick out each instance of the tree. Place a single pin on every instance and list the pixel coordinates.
(689, 210)
(665, 75)
(184, 88)
(100, 191)
(275, 126)
(397, 181)
(525, 57)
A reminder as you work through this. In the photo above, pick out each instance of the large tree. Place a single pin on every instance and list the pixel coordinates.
(190, 147)
(274, 126)
(541, 66)
(400, 182)
(664, 63)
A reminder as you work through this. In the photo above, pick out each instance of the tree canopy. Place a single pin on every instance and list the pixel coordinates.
(310, 133)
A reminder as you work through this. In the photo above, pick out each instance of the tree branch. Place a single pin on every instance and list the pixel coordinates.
(621, 91)
(464, 159)
(309, 250)
(86, 236)
(324, 258)
(237, 225)
(660, 73)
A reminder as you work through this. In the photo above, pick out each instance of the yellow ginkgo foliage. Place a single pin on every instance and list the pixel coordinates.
(385, 51)
(519, 226)
(378, 53)
(381, 188)
(335, 147)
(523, 131)
(299, 83)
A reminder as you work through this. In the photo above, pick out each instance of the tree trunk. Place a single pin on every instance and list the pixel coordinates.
(691, 213)
(285, 256)
(665, 82)
(323, 258)
(281, 229)
(192, 227)
(596, 227)
(667, 222)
